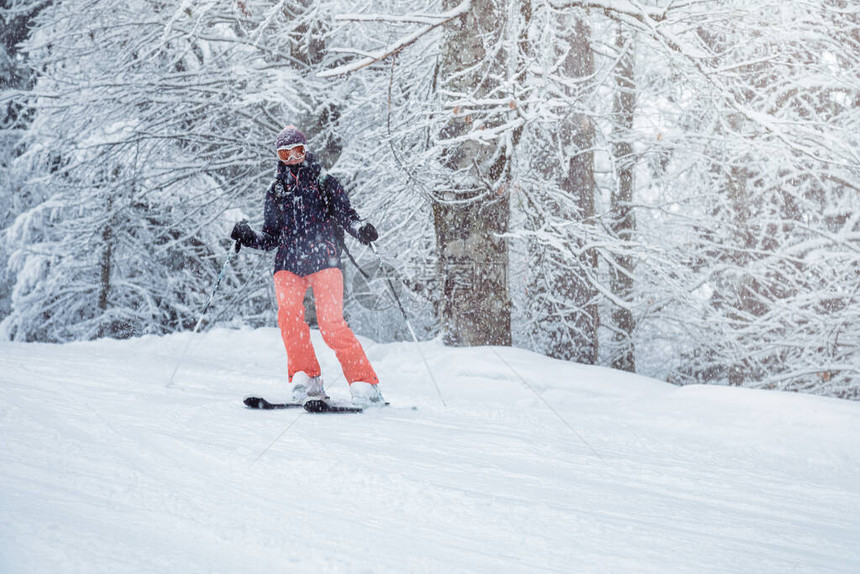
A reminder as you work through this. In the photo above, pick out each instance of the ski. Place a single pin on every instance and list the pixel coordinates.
(261, 403)
(310, 405)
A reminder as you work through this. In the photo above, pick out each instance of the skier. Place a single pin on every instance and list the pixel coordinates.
(303, 211)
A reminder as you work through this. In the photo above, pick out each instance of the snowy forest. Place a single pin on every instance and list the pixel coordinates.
(658, 186)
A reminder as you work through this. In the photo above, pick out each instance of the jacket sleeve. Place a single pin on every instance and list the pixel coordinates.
(341, 208)
(268, 237)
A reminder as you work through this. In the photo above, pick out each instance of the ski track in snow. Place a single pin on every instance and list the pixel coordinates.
(106, 469)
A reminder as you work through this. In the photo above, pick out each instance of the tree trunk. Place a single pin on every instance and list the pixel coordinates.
(623, 219)
(573, 283)
(471, 214)
(105, 264)
(472, 266)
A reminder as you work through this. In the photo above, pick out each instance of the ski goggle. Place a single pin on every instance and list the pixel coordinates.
(293, 152)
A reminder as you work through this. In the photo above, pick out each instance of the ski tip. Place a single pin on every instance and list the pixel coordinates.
(261, 403)
(255, 402)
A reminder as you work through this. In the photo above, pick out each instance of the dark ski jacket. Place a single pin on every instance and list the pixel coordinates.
(301, 215)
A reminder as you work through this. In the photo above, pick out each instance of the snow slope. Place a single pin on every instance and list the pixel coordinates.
(105, 469)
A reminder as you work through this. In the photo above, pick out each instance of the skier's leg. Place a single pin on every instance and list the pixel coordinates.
(290, 290)
(328, 295)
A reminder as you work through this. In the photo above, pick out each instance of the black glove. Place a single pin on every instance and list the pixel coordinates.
(243, 233)
(367, 234)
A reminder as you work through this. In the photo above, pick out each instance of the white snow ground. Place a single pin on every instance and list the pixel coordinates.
(105, 469)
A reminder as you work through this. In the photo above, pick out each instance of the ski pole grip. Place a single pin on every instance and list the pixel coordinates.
(237, 246)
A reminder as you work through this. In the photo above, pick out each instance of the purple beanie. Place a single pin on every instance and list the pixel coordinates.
(289, 137)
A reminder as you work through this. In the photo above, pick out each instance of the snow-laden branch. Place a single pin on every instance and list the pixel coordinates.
(624, 7)
(426, 19)
(400, 44)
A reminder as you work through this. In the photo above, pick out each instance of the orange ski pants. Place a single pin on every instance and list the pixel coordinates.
(328, 296)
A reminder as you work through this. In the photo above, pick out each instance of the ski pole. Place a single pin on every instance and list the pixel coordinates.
(408, 324)
(232, 252)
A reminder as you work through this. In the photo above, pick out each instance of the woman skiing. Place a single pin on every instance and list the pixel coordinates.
(302, 213)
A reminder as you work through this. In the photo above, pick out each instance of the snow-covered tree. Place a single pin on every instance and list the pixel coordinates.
(558, 187)
(459, 127)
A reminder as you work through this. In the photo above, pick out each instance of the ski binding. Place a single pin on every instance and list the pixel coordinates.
(327, 406)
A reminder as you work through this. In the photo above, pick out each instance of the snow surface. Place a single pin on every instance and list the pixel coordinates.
(106, 469)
